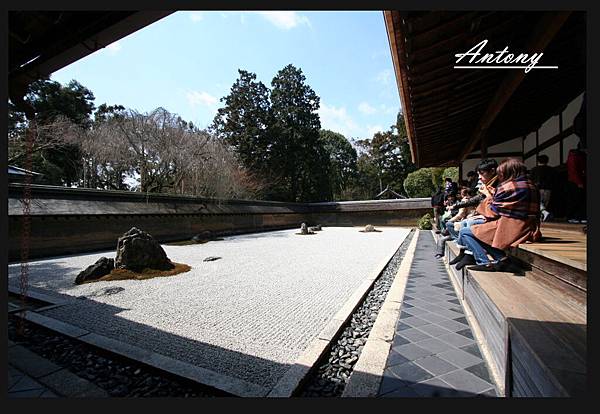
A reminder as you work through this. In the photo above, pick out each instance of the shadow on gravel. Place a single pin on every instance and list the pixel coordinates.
(104, 319)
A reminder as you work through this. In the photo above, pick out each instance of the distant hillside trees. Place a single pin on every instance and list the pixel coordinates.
(264, 143)
(55, 156)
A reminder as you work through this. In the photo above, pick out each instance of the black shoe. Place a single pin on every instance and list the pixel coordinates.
(439, 256)
(488, 267)
(466, 261)
(504, 265)
(457, 258)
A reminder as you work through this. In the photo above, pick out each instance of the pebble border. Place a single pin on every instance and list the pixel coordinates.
(332, 375)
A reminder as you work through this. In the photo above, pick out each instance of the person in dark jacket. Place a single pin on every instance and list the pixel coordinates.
(472, 180)
(437, 203)
(544, 178)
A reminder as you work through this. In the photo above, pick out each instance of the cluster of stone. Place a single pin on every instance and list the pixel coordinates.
(202, 237)
(332, 375)
(136, 251)
(304, 229)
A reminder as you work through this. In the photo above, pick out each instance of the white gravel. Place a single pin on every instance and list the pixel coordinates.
(249, 314)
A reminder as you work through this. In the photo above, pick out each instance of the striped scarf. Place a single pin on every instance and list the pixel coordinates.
(518, 199)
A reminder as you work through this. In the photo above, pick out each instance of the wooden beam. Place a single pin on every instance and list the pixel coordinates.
(560, 130)
(398, 59)
(483, 147)
(496, 155)
(557, 138)
(541, 35)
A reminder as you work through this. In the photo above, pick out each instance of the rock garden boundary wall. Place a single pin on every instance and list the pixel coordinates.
(73, 220)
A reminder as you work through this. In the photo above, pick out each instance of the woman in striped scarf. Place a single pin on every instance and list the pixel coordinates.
(513, 217)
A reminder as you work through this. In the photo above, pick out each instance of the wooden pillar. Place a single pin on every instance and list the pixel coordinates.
(483, 146)
(560, 145)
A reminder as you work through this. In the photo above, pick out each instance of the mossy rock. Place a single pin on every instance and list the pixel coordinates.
(125, 274)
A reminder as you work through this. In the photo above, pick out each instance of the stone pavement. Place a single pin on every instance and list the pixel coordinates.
(433, 351)
(21, 385)
(31, 376)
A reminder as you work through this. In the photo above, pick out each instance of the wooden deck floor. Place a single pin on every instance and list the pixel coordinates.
(563, 242)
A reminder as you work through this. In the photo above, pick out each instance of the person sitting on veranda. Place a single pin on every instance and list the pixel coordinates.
(449, 202)
(460, 215)
(450, 187)
(513, 217)
(472, 180)
(488, 181)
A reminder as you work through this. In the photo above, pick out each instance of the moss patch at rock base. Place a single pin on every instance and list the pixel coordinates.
(124, 274)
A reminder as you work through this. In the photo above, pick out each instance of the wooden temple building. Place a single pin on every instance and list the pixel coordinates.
(534, 325)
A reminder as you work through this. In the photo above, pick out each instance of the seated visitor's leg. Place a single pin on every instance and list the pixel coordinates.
(474, 245)
(441, 246)
(451, 232)
(465, 225)
(497, 254)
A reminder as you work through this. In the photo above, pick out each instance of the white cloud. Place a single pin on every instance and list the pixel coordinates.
(113, 48)
(285, 19)
(387, 110)
(372, 129)
(201, 98)
(384, 77)
(196, 16)
(338, 120)
(366, 109)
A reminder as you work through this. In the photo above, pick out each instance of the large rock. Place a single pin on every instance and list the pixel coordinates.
(101, 268)
(369, 228)
(137, 250)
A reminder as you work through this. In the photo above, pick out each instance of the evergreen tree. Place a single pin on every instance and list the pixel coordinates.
(243, 123)
(342, 163)
(297, 153)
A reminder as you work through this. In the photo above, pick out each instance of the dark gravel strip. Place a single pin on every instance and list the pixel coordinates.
(329, 380)
(118, 376)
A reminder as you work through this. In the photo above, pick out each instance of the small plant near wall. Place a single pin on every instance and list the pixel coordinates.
(424, 222)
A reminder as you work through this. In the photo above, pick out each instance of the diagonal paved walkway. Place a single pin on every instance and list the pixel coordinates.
(433, 351)
(21, 385)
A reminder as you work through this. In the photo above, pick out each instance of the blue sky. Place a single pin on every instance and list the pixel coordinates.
(187, 61)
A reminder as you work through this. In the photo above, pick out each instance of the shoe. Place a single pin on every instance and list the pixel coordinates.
(573, 221)
(487, 267)
(583, 221)
(466, 261)
(457, 258)
(445, 233)
(439, 256)
(504, 265)
(546, 215)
